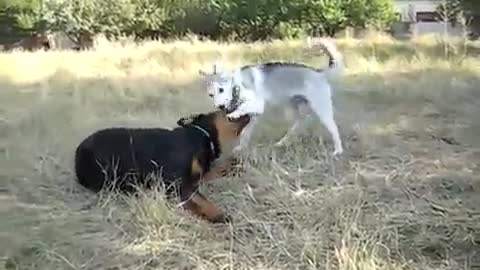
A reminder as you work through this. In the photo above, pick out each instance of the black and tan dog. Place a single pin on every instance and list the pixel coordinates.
(123, 158)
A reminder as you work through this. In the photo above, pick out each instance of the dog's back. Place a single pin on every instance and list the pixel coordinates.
(282, 80)
(111, 154)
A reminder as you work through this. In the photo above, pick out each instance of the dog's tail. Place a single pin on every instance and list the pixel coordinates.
(335, 62)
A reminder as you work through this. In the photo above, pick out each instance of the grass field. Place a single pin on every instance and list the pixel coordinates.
(404, 195)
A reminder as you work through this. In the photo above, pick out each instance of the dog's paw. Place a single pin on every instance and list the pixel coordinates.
(233, 168)
(282, 142)
(237, 167)
(224, 171)
(279, 144)
(337, 152)
(235, 161)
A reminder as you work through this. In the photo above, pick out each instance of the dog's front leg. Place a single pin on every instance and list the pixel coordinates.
(219, 169)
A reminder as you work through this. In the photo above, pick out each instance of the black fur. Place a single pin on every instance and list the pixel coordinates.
(125, 156)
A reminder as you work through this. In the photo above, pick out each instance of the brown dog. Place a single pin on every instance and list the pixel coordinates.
(180, 158)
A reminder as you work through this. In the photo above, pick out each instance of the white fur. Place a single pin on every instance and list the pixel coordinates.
(257, 90)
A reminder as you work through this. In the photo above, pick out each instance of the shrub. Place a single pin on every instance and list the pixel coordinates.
(217, 19)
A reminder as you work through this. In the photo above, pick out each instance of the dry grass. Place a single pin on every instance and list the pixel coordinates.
(405, 195)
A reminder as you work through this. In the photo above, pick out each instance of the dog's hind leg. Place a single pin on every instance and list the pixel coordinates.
(321, 104)
(301, 110)
(293, 129)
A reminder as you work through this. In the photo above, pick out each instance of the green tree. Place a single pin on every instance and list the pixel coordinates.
(468, 8)
(26, 14)
(324, 17)
(18, 19)
(466, 12)
(472, 7)
(247, 19)
(239, 19)
(113, 18)
(363, 13)
(260, 19)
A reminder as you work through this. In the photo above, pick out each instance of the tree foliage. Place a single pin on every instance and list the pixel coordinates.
(239, 19)
(25, 13)
(471, 7)
(454, 8)
(284, 18)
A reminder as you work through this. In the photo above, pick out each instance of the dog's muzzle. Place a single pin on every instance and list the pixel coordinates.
(229, 109)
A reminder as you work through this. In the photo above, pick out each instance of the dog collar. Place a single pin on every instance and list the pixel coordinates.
(235, 102)
(212, 146)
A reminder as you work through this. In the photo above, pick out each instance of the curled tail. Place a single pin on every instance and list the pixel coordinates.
(335, 62)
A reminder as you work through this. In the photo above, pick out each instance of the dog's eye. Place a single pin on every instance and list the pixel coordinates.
(220, 90)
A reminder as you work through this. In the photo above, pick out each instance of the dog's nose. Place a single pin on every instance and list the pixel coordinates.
(210, 95)
(222, 107)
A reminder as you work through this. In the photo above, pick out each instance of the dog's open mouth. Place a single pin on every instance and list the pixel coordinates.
(231, 108)
(227, 110)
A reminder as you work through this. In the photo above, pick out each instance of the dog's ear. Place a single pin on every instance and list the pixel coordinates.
(217, 68)
(203, 73)
(185, 121)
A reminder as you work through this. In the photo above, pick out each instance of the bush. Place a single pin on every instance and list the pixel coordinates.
(25, 13)
(217, 19)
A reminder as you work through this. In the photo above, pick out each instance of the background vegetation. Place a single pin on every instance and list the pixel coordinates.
(216, 19)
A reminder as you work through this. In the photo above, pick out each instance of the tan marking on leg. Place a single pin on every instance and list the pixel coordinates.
(202, 207)
(196, 169)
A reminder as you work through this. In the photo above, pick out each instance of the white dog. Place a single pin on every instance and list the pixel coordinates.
(248, 89)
